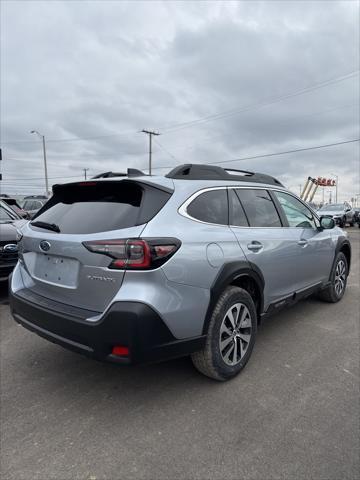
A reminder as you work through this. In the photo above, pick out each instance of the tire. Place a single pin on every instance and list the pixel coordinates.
(351, 224)
(342, 223)
(332, 294)
(224, 361)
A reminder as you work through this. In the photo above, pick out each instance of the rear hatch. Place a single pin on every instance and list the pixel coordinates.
(61, 267)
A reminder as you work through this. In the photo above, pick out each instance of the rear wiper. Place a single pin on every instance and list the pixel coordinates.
(47, 226)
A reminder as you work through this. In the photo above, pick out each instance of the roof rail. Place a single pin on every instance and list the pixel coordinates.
(193, 171)
(131, 172)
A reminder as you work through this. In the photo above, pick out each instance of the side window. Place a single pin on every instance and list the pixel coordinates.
(210, 207)
(237, 214)
(296, 213)
(259, 208)
(28, 205)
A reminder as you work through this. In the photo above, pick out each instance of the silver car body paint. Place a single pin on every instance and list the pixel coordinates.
(179, 290)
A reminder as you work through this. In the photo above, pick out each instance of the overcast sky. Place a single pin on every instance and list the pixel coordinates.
(219, 80)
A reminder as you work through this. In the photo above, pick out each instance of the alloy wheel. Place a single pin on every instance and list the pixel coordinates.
(340, 278)
(235, 334)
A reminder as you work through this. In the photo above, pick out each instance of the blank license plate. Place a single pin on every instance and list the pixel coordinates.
(58, 270)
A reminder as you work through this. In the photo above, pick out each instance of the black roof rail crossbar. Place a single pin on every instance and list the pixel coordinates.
(109, 175)
(211, 172)
(134, 172)
(131, 172)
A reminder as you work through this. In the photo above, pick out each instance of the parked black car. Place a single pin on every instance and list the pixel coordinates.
(9, 221)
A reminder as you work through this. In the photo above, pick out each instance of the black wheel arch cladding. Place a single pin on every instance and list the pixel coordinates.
(229, 273)
(343, 245)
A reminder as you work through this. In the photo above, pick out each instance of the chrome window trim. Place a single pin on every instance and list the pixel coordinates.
(182, 210)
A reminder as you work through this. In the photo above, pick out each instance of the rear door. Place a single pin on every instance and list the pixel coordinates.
(57, 265)
(267, 245)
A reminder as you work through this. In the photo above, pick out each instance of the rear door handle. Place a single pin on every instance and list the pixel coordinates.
(302, 243)
(255, 246)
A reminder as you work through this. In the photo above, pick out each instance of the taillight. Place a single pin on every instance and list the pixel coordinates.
(135, 254)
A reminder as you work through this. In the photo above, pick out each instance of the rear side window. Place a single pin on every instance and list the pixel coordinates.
(259, 208)
(102, 206)
(237, 214)
(210, 207)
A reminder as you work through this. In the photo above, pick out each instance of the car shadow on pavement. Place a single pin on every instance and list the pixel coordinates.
(62, 367)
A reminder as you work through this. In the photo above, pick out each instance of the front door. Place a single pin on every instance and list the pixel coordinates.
(314, 246)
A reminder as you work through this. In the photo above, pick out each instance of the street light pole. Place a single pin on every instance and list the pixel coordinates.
(45, 162)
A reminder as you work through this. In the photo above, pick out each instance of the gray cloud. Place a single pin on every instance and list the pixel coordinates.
(108, 69)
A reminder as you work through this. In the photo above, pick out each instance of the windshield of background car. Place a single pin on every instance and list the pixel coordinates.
(331, 207)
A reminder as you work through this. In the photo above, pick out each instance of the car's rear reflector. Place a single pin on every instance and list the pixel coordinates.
(120, 351)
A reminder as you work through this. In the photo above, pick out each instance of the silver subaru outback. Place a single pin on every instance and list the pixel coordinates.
(142, 268)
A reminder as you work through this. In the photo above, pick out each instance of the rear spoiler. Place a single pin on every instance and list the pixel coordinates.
(93, 183)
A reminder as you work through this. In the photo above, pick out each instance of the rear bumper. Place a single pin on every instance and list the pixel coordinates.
(131, 324)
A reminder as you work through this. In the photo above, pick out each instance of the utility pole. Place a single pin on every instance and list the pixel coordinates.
(85, 170)
(150, 133)
(44, 155)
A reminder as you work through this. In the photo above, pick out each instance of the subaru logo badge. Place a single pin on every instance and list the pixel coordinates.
(10, 247)
(45, 245)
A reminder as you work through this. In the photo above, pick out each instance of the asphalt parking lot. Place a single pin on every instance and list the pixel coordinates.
(292, 413)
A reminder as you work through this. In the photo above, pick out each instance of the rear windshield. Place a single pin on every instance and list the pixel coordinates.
(102, 206)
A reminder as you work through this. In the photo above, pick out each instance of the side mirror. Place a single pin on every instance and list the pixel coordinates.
(347, 209)
(327, 222)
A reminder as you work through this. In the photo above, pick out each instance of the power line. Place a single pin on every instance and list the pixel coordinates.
(288, 151)
(73, 139)
(274, 154)
(40, 178)
(165, 150)
(217, 116)
(109, 156)
(280, 122)
(269, 101)
(316, 147)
